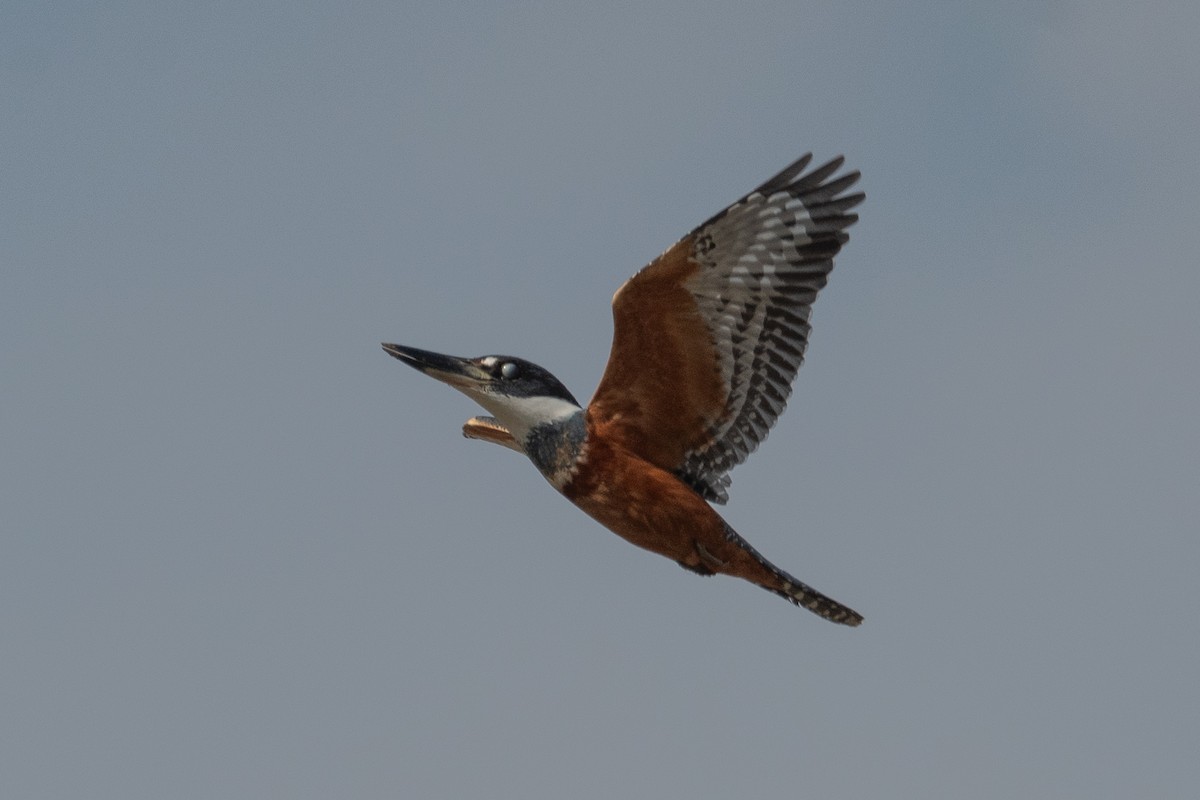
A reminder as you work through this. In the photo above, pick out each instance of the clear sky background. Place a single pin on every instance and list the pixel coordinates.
(245, 554)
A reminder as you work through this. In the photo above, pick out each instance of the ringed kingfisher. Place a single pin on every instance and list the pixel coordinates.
(707, 340)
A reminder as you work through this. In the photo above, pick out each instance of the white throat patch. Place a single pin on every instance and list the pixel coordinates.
(522, 414)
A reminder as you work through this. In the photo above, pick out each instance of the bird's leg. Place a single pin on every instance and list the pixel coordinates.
(707, 563)
(708, 558)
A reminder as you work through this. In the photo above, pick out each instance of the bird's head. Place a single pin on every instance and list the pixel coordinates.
(519, 394)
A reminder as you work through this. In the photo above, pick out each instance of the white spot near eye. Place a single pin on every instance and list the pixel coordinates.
(509, 370)
(488, 361)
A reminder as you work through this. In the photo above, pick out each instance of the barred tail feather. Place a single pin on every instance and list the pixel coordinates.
(796, 591)
(814, 601)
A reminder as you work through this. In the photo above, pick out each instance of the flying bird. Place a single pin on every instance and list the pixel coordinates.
(707, 340)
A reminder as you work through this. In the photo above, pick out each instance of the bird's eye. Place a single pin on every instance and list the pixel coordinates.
(509, 370)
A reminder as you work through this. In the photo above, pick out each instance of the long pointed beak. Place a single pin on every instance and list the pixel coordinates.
(461, 373)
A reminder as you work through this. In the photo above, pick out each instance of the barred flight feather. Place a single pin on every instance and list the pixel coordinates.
(762, 262)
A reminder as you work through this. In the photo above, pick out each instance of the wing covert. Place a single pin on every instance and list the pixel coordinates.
(709, 336)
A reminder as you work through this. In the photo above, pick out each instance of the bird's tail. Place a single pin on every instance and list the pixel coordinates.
(797, 591)
(822, 605)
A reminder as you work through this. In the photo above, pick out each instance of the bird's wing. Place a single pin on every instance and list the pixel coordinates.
(708, 337)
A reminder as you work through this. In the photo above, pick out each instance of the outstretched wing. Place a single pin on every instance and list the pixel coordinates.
(708, 337)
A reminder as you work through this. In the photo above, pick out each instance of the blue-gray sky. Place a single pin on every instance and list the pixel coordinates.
(245, 554)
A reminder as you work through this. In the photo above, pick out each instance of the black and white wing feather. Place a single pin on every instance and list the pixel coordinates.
(762, 262)
(708, 337)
